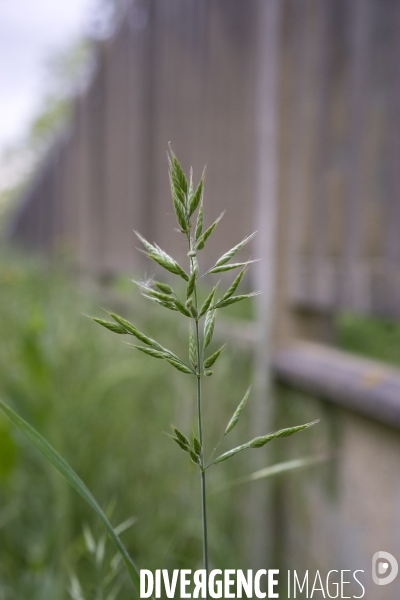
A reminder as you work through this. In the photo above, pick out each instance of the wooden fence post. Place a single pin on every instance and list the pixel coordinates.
(268, 40)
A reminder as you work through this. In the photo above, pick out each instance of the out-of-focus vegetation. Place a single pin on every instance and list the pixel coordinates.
(368, 336)
(104, 407)
(68, 72)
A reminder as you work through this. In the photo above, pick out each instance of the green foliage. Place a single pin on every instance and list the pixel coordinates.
(185, 203)
(74, 481)
(182, 193)
(260, 441)
(85, 392)
(236, 415)
(369, 336)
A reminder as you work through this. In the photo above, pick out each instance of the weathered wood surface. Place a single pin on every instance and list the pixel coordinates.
(361, 385)
(188, 72)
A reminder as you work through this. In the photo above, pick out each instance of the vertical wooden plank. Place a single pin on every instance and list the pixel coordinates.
(139, 123)
(391, 250)
(266, 213)
(93, 175)
(116, 225)
(71, 198)
(356, 293)
(232, 73)
(178, 106)
(323, 277)
(83, 183)
(302, 56)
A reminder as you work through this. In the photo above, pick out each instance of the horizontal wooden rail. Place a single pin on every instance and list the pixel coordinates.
(359, 384)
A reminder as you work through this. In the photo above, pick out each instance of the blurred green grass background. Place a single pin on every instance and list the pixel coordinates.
(104, 407)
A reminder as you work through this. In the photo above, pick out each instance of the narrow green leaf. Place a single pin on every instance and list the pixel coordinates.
(264, 439)
(277, 469)
(125, 525)
(230, 453)
(208, 363)
(209, 327)
(233, 299)
(195, 458)
(75, 482)
(181, 445)
(142, 337)
(197, 446)
(197, 196)
(180, 213)
(130, 328)
(180, 366)
(179, 174)
(232, 289)
(182, 308)
(114, 327)
(150, 351)
(178, 180)
(162, 303)
(260, 441)
(181, 436)
(192, 349)
(163, 287)
(192, 309)
(222, 268)
(199, 221)
(191, 283)
(169, 264)
(204, 236)
(228, 255)
(190, 188)
(162, 258)
(150, 292)
(149, 247)
(236, 415)
(89, 539)
(208, 301)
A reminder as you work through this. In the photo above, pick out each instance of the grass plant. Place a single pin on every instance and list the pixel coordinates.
(189, 211)
(200, 314)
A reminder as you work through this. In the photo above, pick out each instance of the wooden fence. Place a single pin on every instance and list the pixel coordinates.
(301, 133)
(186, 71)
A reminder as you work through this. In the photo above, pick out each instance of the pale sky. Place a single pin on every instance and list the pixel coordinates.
(30, 31)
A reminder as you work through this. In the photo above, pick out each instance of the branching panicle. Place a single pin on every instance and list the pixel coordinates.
(186, 201)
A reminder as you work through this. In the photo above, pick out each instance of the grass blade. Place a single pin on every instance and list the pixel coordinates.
(149, 351)
(199, 221)
(235, 284)
(191, 282)
(204, 236)
(260, 441)
(223, 268)
(236, 415)
(192, 349)
(114, 327)
(180, 366)
(283, 467)
(208, 363)
(197, 196)
(208, 301)
(75, 482)
(209, 327)
(233, 299)
(228, 255)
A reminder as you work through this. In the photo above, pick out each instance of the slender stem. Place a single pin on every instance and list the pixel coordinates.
(216, 448)
(202, 470)
(203, 474)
